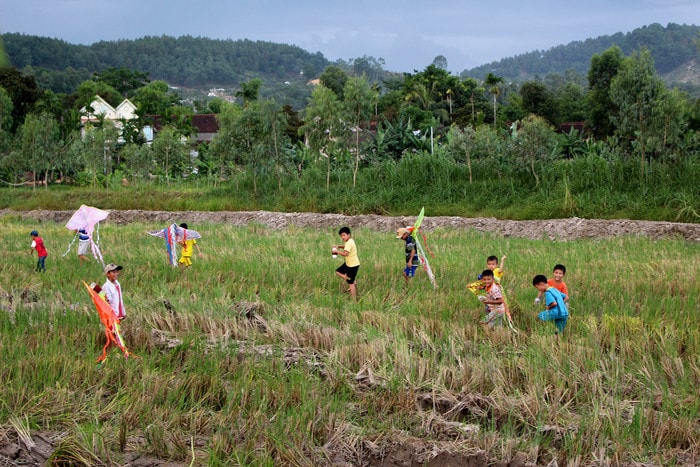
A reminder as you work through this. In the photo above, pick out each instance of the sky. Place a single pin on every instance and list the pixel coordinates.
(407, 34)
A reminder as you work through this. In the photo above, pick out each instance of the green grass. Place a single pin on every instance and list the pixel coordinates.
(329, 375)
(594, 186)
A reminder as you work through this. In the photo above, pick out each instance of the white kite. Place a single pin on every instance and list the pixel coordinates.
(86, 222)
(174, 235)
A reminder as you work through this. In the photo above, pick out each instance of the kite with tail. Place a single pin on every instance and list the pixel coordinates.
(111, 324)
(414, 231)
(172, 236)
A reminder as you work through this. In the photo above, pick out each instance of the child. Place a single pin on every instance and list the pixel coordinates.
(187, 246)
(412, 260)
(83, 244)
(493, 299)
(38, 245)
(555, 308)
(348, 270)
(557, 282)
(112, 290)
(491, 265)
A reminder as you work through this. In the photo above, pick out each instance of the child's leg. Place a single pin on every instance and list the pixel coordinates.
(341, 275)
(560, 324)
(353, 290)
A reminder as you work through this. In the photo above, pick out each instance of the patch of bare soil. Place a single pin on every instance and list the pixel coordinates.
(553, 229)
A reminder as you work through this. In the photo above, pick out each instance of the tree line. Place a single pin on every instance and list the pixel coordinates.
(429, 127)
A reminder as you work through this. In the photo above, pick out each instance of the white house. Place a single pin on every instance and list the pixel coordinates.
(102, 110)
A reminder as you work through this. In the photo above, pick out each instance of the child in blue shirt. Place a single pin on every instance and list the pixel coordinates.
(555, 308)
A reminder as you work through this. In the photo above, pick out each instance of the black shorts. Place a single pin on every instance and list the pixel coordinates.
(351, 272)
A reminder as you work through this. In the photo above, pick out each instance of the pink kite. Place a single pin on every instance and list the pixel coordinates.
(84, 222)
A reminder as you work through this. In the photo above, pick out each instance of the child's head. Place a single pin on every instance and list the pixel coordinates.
(558, 272)
(492, 262)
(34, 233)
(112, 271)
(540, 282)
(184, 225)
(487, 277)
(344, 233)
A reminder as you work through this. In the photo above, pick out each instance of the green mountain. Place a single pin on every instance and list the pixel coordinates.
(201, 63)
(675, 49)
(184, 61)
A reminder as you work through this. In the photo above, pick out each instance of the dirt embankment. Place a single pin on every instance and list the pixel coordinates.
(554, 229)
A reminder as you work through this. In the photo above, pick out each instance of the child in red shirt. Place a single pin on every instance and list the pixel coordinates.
(557, 282)
(38, 245)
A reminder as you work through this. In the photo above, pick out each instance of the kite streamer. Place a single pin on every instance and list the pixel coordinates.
(414, 230)
(173, 235)
(111, 324)
(88, 219)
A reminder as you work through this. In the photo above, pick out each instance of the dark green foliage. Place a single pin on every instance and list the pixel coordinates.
(23, 91)
(334, 79)
(670, 46)
(604, 68)
(185, 60)
(539, 100)
(122, 79)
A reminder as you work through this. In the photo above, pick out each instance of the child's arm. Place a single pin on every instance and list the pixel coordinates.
(409, 261)
(199, 252)
(539, 296)
(495, 301)
(502, 267)
(550, 301)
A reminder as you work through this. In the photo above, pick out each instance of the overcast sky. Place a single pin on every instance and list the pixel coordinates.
(407, 34)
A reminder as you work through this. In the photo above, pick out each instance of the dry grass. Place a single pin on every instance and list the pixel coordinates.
(254, 357)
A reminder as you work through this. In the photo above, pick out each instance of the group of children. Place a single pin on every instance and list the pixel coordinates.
(111, 290)
(487, 287)
(490, 292)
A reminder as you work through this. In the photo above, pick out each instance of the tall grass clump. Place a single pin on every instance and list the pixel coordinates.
(498, 181)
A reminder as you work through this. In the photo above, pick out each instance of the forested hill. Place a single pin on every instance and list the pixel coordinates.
(671, 47)
(186, 60)
(201, 62)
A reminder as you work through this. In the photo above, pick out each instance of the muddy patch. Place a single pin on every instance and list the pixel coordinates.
(553, 229)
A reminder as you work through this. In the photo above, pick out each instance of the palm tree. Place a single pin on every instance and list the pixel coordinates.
(448, 93)
(492, 82)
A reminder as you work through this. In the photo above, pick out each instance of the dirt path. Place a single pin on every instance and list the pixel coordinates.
(561, 229)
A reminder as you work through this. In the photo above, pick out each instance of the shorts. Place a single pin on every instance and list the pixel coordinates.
(410, 271)
(494, 318)
(351, 272)
(83, 247)
(186, 260)
(559, 322)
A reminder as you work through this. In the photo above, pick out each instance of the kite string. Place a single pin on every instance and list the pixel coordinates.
(96, 246)
(70, 245)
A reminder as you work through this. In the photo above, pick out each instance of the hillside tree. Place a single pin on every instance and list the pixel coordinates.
(603, 69)
(635, 92)
(325, 127)
(359, 102)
